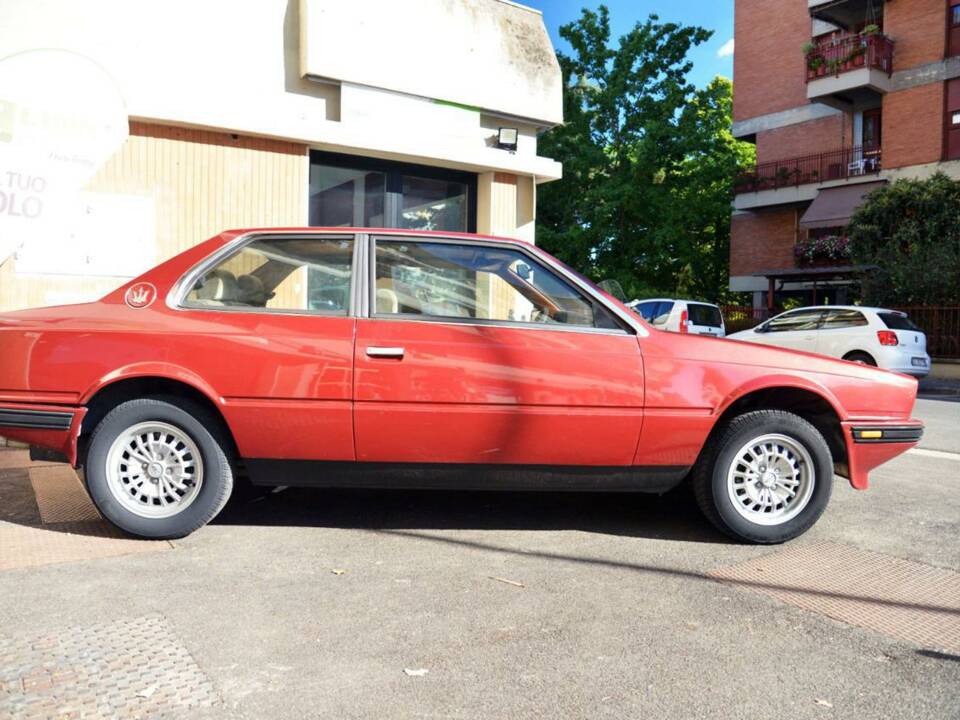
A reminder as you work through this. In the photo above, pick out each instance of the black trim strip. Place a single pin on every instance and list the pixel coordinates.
(449, 476)
(36, 419)
(903, 434)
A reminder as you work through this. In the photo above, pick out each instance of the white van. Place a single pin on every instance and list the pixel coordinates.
(682, 316)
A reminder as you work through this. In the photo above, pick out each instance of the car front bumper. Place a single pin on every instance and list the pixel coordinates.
(870, 443)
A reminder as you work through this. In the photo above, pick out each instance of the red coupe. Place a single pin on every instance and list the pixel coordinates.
(391, 358)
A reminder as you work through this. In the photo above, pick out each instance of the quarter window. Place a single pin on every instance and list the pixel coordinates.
(472, 282)
(280, 274)
(837, 319)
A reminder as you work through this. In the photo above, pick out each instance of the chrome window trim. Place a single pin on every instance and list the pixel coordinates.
(364, 269)
(177, 295)
(474, 322)
(506, 244)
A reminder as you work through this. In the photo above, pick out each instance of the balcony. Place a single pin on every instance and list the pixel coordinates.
(843, 164)
(851, 71)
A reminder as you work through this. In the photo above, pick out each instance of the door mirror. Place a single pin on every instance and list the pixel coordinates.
(523, 271)
(762, 328)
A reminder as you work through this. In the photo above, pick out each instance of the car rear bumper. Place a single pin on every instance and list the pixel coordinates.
(52, 427)
(901, 359)
(871, 443)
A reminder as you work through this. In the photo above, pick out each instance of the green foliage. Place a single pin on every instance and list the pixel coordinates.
(910, 230)
(649, 162)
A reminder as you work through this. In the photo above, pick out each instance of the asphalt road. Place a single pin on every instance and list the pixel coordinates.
(942, 420)
(615, 617)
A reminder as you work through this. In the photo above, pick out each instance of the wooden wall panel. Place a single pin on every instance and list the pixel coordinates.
(202, 182)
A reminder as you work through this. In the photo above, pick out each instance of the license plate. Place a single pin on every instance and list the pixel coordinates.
(919, 362)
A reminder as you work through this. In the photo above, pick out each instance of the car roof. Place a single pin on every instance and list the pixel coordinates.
(675, 300)
(379, 231)
(843, 307)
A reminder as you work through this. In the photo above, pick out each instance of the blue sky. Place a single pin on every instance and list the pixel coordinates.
(709, 60)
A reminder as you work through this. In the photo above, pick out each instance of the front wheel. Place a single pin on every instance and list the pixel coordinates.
(765, 478)
(157, 469)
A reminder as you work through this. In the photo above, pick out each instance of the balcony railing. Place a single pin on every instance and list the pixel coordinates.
(835, 165)
(850, 52)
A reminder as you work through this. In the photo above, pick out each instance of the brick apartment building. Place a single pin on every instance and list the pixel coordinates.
(837, 95)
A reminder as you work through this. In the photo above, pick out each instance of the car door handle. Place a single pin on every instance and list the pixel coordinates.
(385, 352)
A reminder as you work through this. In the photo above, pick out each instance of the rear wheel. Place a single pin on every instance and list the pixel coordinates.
(158, 469)
(765, 478)
(861, 357)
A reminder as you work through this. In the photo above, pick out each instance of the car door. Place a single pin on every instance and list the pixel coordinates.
(841, 331)
(274, 314)
(480, 353)
(796, 329)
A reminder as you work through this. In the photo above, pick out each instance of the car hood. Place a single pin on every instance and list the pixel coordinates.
(733, 350)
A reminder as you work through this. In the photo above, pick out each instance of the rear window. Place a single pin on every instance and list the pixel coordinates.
(896, 321)
(704, 315)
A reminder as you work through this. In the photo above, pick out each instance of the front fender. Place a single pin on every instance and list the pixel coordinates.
(779, 380)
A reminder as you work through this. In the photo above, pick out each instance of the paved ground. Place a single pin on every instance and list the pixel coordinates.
(313, 604)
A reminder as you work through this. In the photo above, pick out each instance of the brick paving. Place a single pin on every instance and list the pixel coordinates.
(135, 668)
(910, 601)
(47, 517)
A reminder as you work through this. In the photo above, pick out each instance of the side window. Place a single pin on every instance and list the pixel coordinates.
(444, 280)
(837, 319)
(797, 320)
(295, 274)
(662, 313)
(647, 310)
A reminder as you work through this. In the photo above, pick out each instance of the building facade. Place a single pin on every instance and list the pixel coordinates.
(838, 96)
(276, 113)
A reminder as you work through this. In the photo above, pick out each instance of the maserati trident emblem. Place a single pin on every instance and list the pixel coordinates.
(140, 295)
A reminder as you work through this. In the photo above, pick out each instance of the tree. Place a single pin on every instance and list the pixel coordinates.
(648, 161)
(909, 230)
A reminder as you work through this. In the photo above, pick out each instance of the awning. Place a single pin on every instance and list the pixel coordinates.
(834, 206)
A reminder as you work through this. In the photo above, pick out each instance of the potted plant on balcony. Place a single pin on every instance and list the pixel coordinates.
(824, 250)
(856, 56)
(815, 67)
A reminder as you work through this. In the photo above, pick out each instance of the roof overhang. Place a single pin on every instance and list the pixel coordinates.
(814, 273)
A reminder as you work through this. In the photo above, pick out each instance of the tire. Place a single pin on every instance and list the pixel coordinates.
(753, 506)
(861, 357)
(189, 477)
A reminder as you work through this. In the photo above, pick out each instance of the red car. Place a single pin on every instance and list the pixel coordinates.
(390, 358)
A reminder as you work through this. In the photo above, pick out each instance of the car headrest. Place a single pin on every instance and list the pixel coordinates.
(217, 285)
(387, 301)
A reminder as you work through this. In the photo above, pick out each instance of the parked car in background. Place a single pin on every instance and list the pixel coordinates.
(873, 336)
(396, 358)
(682, 316)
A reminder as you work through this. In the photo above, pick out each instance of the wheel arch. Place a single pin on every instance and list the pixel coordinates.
(150, 382)
(813, 403)
(857, 351)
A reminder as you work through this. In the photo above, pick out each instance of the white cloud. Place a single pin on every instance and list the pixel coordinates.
(726, 50)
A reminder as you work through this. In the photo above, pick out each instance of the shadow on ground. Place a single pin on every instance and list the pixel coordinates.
(673, 516)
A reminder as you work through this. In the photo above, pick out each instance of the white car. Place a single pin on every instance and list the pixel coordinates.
(874, 336)
(683, 316)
